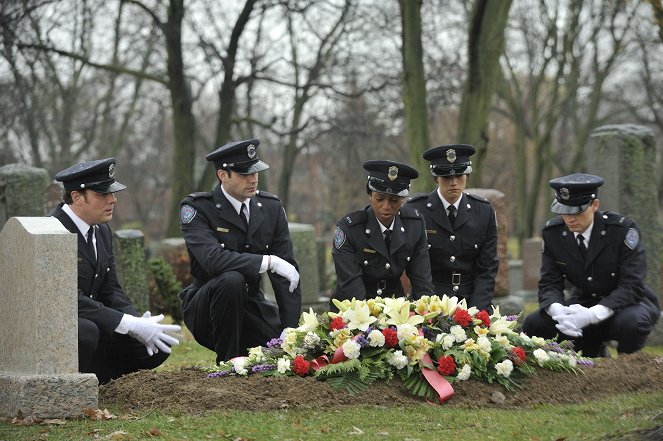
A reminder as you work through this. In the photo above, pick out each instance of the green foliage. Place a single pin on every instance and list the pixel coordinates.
(167, 285)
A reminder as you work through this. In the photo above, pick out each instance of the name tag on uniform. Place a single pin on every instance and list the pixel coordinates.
(368, 250)
(431, 231)
(222, 230)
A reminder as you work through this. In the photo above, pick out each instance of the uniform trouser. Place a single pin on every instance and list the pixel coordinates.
(111, 356)
(222, 318)
(629, 326)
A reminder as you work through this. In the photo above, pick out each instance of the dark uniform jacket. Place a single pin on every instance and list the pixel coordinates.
(100, 296)
(217, 242)
(466, 254)
(364, 265)
(612, 274)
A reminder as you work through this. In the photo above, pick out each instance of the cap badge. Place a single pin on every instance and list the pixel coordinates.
(111, 171)
(393, 173)
(251, 151)
(451, 155)
(564, 193)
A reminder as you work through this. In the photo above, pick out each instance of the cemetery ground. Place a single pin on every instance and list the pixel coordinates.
(620, 398)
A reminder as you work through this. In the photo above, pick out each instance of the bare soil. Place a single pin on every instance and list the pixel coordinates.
(189, 391)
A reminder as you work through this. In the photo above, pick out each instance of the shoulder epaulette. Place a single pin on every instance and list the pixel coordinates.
(555, 221)
(417, 196)
(355, 218)
(476, 197)
(200, 194)
(610, 217)
(409, 212)
(264, 194)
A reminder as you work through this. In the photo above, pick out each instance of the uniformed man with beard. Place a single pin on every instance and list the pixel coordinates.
(461, 227)
(601, 256)
(234, 234)
(375, 245)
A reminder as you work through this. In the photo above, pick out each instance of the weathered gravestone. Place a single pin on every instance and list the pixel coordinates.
(38, 333)
(129, 251)
(625, 156)
(22, 191)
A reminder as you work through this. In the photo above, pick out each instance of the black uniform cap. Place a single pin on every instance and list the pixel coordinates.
(98, 176)
(574, 193)
(450, 159)
(238, 156)
(390, 177)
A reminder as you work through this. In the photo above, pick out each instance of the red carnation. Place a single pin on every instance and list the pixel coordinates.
(300, 366)
(484, 317)
(518, 354)
(446, 365)
(390, 337)
(337, 323)
(462, 317)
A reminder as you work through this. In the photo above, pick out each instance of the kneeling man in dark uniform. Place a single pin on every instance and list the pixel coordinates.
(234, 234)
(373, 246)
(600, 255)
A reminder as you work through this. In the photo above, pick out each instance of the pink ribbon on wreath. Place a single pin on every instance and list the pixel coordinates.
(319, 362)
(438, 382)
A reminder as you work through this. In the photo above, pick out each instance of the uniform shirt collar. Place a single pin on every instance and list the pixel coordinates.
(586, 234)
(383, 228)
(447, 203)
(82, 226)
(237, 205)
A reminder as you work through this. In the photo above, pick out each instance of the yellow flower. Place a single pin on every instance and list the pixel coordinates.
(470, 345)
(398, 311)
(480, 331)
(340, 336)
(374, 306)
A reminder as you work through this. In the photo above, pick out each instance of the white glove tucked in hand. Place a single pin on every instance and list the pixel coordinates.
(577, 318)
(285, 269)
(147, 330)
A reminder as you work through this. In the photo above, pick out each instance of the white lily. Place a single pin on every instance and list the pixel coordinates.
(309, 321)
(398, 311)
(359, 317)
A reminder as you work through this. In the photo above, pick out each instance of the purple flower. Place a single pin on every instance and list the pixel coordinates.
(263, 368)
(218, 374)
(511, 318)
(585, 362)
(274, 343)
(361, 340)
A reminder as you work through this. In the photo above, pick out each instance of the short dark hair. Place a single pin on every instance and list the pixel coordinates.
(67, 196)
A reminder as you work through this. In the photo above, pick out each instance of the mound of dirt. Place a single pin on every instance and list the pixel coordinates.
(189, 391)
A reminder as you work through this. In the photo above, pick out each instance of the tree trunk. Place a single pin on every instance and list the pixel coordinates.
(414, 89)
(184, 127)
(485, 47)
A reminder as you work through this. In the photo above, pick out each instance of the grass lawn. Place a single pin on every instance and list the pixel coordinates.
(619, 417)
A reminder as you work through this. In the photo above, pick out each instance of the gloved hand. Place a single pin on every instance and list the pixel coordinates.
(285, 269)
(557, 309)
(147, 330)
(567, 327)
(577, 318)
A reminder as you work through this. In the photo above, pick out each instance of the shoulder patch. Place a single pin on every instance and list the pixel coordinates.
(264, 194)
(632, 238)
(339, 238)
(200, 194)
(187, 213)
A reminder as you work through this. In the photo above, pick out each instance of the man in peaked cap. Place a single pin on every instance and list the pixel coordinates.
(113, 339)
(234, 234)
(461, 227)
(600, 255)
(374, 245)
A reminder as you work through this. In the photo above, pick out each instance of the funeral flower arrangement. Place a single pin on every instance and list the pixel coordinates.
(428, 343)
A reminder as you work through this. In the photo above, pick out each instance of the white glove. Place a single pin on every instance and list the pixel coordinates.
(285, 269)
(147, 330)
(557, 309)
(577, 318)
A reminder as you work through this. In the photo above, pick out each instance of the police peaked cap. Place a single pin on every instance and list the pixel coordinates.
(98, 176)
(574, 193)
(450, 159)
(238, 156)
(390, 177)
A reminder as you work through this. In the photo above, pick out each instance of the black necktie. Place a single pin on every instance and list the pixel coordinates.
(242, 214)
(387, 238)
(452, 214)
(90, 241)
(581, 246)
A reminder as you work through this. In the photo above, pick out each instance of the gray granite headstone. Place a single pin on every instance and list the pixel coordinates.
(22, 191)
(129, 251)
(39, 330)
(305, 251)
(531, 254)
(625, 156)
